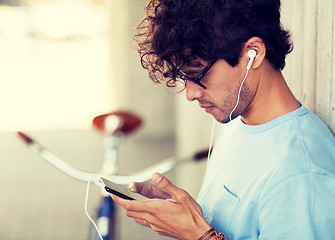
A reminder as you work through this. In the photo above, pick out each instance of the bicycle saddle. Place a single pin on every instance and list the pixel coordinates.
(117, 122)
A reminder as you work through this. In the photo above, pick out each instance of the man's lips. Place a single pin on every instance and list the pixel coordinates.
(207, 108)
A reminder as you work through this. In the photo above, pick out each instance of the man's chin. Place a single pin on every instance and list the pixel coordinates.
(226, 120)
(220, 118)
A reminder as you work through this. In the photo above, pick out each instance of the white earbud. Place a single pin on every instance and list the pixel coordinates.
(252, 54)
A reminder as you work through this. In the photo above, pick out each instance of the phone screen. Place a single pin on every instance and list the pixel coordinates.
(121, 191)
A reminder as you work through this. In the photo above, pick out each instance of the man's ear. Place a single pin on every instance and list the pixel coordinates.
(257, 44)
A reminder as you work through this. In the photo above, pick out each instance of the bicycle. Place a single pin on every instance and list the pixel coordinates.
(115, 127)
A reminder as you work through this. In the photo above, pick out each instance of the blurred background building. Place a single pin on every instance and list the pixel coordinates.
(62, 62)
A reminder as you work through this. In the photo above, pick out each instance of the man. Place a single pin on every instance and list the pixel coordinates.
(272, 171)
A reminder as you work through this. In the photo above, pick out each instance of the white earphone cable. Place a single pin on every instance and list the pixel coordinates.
(238, 95)
(86, 200)
(211, 141)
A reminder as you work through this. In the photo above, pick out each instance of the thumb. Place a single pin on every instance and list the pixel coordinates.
(165, 185)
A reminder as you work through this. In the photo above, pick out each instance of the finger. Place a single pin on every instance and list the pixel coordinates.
(131, 207)
(140, 213)
(132, 187)
(148, 190)
(119, 201)
(136, 206)
(142, 222)
(143, 188)
(126, 204)
(167, 186)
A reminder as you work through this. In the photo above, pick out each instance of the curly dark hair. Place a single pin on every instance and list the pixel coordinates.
(174, 32)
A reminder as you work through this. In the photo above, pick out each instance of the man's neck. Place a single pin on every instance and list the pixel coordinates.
(272, 99)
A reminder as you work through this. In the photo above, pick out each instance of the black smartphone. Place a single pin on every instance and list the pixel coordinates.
(121, 191)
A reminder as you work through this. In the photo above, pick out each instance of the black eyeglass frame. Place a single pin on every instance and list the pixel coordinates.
(198, 78)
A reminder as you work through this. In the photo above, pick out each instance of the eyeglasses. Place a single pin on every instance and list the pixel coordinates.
(198, 78)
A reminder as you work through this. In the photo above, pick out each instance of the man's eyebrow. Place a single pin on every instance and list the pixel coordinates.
(193, 68)
(190, 71)
(195, 64)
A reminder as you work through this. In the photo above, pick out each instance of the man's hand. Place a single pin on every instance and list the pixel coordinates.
(174, 213)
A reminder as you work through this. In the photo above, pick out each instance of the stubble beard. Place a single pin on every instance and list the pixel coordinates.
(246, 97)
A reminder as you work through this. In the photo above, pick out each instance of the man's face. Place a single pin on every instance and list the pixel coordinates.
(222, 84)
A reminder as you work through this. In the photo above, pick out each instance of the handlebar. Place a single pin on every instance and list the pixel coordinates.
(140, 176)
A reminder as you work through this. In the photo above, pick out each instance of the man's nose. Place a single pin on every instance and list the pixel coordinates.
(193, 91)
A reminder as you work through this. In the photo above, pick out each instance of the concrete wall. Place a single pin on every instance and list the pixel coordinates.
(310, 68)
